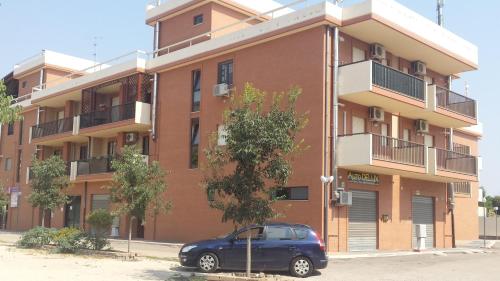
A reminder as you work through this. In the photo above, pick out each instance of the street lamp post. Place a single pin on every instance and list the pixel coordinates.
(496, 222)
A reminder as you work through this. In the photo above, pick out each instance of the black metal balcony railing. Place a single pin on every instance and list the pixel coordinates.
(398, 81)
(106, 116)
(94, 165)
(52, 128)
(398, 151)
(455, 102)
(456, 162)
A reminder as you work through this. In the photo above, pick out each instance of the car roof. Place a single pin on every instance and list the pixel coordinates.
(279, 224)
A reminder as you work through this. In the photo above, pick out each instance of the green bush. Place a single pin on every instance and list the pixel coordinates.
(36, 237)
(69, 239)
(100, 220)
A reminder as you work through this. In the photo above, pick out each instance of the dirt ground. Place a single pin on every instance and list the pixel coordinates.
(20, 265)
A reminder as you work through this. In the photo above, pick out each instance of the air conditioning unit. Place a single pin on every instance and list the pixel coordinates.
(422, 126)
(344, 198)
(130, 138)
(377, 51)
(376, 114)
(419, 68)
(221, 90)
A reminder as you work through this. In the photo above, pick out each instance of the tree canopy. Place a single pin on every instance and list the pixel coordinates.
(243, 174)
(8, 113)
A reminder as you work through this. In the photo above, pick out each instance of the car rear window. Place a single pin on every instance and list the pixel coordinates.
(301, 233)
(279, 233)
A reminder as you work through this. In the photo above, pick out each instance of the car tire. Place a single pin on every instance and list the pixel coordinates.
(301, 267)
(208, 262)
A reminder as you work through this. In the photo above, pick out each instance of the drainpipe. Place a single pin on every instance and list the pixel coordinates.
(155, 78)
(41, 77)
(451, 189)
(335, 107)
(325, 180)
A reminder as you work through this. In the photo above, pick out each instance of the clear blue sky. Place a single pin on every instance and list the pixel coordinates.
(29, 26)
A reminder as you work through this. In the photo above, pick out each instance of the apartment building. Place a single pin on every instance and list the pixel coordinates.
(406, 151)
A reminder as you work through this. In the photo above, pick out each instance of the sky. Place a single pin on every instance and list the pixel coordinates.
(70, 27)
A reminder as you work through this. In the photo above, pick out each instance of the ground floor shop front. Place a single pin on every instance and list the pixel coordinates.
(383, 215)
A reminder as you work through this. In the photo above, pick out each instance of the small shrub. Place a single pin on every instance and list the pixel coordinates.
(69, 240)
(100, 220)
(36, 237)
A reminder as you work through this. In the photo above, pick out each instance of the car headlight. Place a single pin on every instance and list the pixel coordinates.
(188, 248)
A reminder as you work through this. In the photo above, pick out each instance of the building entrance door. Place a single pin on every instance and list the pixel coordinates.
(423, 213)
(72, 212)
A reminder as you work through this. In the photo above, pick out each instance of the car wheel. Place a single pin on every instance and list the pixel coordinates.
(208, 263)
(301, 267)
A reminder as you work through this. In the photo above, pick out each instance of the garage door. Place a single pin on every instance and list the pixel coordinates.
(363, 221)
(423, 213)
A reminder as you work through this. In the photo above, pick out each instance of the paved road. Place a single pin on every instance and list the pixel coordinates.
(453, 267)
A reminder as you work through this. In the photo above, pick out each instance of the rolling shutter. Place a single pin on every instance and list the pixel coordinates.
(423, 213)
(363, 221)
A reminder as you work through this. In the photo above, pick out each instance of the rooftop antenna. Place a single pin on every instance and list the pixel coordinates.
(94, 54)
(440, 16)
(466, 89)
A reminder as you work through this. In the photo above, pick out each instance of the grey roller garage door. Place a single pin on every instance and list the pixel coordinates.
(423, 213)
(363, 221)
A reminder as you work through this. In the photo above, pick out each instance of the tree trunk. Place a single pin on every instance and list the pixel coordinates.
(43, 217)
(249, 254)
(129, 234)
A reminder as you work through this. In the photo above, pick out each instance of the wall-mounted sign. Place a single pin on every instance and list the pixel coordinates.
(363, 178)
(14, 199)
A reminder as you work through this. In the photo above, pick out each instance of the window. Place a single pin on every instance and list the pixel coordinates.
(301, 233)
(145, 145)
(198, 19)
(196, 95)
(24, 84)
(293, 193)
(358, 125)
(7, 164)
(21, 132)
(461, 148)
(222, 135)
(358, 54)
(406, 135)
(83, 152)
(111, 147)
(255, 234)
(195, 141)
(279, 233)
(462, 188)
(100, 201)
(225, 73)
(18, 165)
(10, 129)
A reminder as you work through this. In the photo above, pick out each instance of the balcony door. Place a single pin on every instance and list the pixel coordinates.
(115, 112)
(358, 125)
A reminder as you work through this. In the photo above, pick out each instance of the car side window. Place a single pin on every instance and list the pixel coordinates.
(279, 233)
(301, 233)
(255, 234)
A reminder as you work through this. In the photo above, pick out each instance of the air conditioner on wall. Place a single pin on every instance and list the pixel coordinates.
(377, 51)
(419, 68)
(344, 198)
(221, 90)
(422, 126)
(130, 138)
(376, 114)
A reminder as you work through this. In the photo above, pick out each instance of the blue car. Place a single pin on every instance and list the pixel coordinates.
(275, 247)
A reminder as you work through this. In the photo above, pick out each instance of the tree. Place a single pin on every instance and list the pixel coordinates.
(137, 187)
(100, 220)
(8, 113)
(48, 184)
(243, 175)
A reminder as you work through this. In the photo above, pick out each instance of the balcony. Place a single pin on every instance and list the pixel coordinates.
(385, 155)
(133, 116)
(94, 169)
(370, 83)
(453, 165)
(52, 128)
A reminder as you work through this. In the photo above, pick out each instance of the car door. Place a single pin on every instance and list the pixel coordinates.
(278, 248)
(235, 252)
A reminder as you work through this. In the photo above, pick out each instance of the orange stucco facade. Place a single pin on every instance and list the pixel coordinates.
(300, 56)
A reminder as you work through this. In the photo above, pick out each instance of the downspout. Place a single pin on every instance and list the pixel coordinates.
(335, 100)
(156, 44)
(327, 90)
(451, 189)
